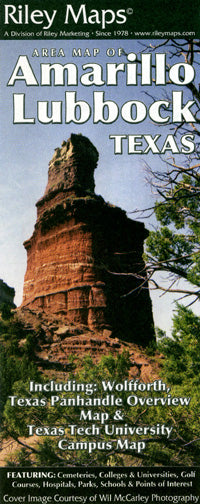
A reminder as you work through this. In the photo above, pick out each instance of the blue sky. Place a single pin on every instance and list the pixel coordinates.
(27, 149)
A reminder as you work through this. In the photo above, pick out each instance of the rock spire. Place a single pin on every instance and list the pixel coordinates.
(79, 247)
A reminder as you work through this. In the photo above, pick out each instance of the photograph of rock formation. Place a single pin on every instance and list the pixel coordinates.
(85, 322)
(100, 356)
(84, 254)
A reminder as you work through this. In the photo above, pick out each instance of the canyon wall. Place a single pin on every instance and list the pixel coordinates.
(6, 293)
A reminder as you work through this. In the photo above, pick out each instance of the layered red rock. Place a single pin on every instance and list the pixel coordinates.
(84, 254)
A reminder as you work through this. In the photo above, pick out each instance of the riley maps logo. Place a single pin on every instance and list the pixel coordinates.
(23, 15)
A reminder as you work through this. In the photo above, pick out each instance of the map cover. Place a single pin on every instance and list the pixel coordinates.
(100, 261)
